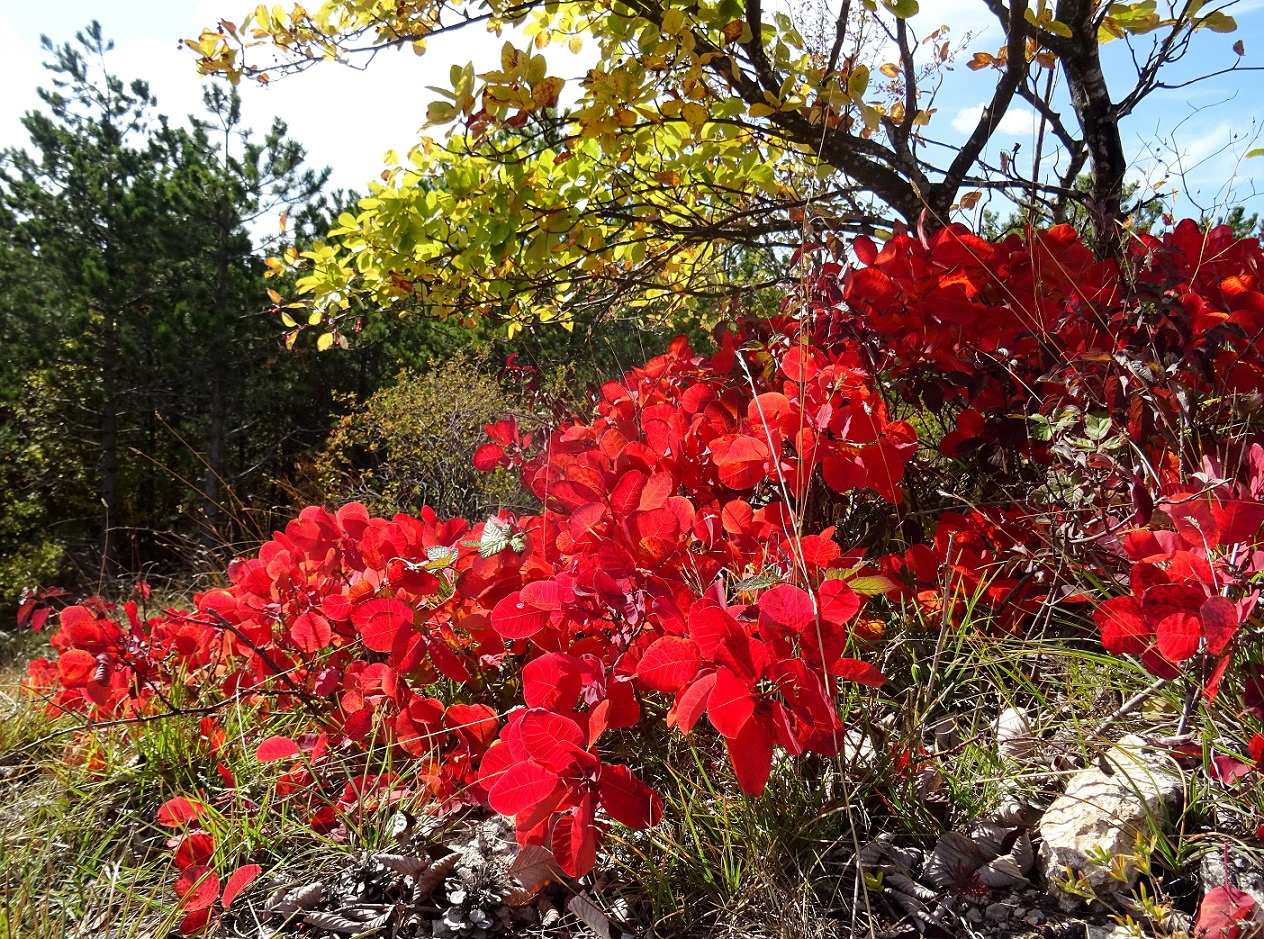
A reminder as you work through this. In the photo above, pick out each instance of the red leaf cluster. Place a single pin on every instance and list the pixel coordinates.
(685, 547)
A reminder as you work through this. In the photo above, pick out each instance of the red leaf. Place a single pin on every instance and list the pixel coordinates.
(1239, 521)
(691, 704)
(194, 922)
(736, 516)
(862, 673)
(843, 472)
(787, 606)
(450, 665)
(740, 460)
(238, 881)
(417, 726)
(1220, 623)
(670, 663)
(1157, 665)
(276, 748)
(550, 738)
(311, 632)
(626, 494)
(839, 603)
(750, 752)
(1227, 769)
(575, 841)
(514, 619)
(1172, 610)
(521, 787)
(800, 364)
(655, 533)
(542, 595)
(489, 456)
(498, 758)
(179, 811)
(1223, 913)
(586, 520)
(628, 799)
(475, 722)
(75, 668)
(552, 681)
(1124, 630)
(195, 848)
(625, 710)
(731, 704)
(657, 490)
(197, 887)
(380, 621)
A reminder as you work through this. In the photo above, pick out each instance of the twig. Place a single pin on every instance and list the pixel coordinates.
(1130, 705)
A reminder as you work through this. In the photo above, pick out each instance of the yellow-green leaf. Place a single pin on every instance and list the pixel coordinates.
(858, 81)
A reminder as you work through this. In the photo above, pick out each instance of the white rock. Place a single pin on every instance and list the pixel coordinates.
(1108, 931)
(1106, 812)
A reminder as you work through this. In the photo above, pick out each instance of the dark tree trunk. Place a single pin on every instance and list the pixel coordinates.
(1099, 121)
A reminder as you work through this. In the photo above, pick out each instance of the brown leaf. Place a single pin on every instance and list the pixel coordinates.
(732, 31)
(971, 199)
(289, 900)
(434, 875)
(589, 914)
(1239, 47)
(403, 863)
(534, 867)
(346, 925)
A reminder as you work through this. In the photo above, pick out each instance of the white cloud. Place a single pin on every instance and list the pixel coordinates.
(1016, 122)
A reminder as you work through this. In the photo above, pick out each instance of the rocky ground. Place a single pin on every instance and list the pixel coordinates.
(1079, 867)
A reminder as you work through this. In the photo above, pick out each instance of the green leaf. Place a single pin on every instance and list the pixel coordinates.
(1097, 426)
(872, 585)
(858, 81)
(757, 582)
(1217, 22)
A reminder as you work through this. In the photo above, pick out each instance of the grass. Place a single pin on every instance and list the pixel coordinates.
(82, 855)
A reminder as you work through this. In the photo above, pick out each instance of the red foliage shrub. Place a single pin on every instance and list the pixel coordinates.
(683, 550)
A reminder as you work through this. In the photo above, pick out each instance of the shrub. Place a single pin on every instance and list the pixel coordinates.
(681, 566)
(411, 444)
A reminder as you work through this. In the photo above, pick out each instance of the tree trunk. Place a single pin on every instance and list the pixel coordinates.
(1099, 121)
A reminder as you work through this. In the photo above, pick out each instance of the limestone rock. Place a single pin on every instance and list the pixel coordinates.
(1108, 931)
(1106, 808)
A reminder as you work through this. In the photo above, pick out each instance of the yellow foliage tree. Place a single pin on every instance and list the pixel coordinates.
(705, 125)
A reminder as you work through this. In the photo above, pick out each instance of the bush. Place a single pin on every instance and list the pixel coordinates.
(683, 563)
(412, 444)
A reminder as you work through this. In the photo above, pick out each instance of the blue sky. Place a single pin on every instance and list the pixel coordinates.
(348, 119)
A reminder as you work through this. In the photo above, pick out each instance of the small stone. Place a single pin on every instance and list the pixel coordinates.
(1108, 931)
(997, 913)
(1034, 918)
(974, 915)
(1229, 865)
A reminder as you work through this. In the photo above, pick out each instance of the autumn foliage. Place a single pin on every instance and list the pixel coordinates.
(686, 565)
